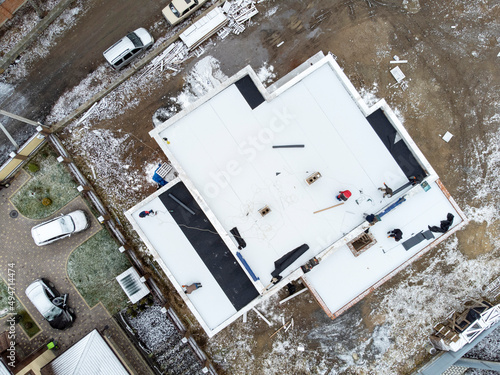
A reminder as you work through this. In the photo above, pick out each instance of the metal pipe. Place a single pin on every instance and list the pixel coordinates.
(182, 204)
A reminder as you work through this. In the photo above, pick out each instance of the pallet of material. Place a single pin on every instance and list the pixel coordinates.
(204, 28)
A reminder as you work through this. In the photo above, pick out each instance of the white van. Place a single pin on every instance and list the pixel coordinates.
(178, 10)
(127, 48)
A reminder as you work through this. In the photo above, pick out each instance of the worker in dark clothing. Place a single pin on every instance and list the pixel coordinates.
(147, 213)
(344, 195)
(188, 289)
(416, 179)
(396, 234)
(372, 219)
(387, 191)
(444, 226)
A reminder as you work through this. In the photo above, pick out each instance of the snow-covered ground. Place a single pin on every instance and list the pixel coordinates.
(160, 339)
(489, 350)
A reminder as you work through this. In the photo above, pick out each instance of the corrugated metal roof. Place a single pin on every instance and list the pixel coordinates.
(89, 356)
(4, 369)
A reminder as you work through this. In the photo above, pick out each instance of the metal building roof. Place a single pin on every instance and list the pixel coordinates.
(89, 356)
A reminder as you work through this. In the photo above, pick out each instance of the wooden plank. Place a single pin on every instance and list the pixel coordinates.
(324, 209)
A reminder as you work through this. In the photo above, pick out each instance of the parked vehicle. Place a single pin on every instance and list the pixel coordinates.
(179, 10)
(60, 227)
(51, 304)
(127, 48)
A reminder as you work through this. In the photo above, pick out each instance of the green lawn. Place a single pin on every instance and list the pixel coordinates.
(25, 321)
(52, 180)
(93, 267)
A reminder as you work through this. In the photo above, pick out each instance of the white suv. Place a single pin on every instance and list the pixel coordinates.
(127, 48)
(60, 227)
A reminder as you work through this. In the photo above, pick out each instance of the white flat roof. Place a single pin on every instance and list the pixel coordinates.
(222, 149)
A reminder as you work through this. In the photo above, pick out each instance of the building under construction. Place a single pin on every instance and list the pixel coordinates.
(283, 183)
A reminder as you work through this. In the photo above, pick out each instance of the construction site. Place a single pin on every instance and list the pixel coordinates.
(305, 187)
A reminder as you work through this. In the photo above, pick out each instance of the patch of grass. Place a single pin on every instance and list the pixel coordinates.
(93, 267)
(22, 317)
(51, 181)
(28, 324)
(4, 299)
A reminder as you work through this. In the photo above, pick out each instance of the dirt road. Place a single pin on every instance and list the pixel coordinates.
(78, 53)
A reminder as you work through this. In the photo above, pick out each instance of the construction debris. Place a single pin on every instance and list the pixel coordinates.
(293, 295)
(238, 12)
(262, 317)
(287, 324)
(398, 74)
(174, 54)
(447, 137)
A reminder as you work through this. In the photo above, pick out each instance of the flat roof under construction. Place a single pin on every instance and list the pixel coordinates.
(232, 175)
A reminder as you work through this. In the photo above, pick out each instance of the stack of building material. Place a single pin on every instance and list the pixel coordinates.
(238, 12)
(204, 28)
(174, 54)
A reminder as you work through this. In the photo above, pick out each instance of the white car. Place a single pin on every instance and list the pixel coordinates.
(50, 303)
(60, 227)
(127, 48)
(178, 10)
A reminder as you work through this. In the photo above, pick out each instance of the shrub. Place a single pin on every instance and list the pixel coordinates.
(46, 201)
(33, 168)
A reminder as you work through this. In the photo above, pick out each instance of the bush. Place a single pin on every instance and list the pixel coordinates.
(46, 201)
(28, 325)
(33, 168)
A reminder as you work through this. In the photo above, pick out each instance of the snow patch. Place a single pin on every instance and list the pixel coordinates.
(5, 90)
(271, 12)
(203, 77)
(266, 73)
(370, 95)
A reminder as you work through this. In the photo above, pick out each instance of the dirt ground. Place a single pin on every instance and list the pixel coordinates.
(77, 54)
(452, 84)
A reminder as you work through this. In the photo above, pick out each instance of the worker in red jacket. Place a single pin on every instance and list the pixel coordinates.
(344, 195)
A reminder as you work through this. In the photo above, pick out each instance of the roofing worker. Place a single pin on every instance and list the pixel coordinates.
(147, 213)
(188, 289)
(372, 219)
(396, 234)
(344, 195)
(387, 191)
